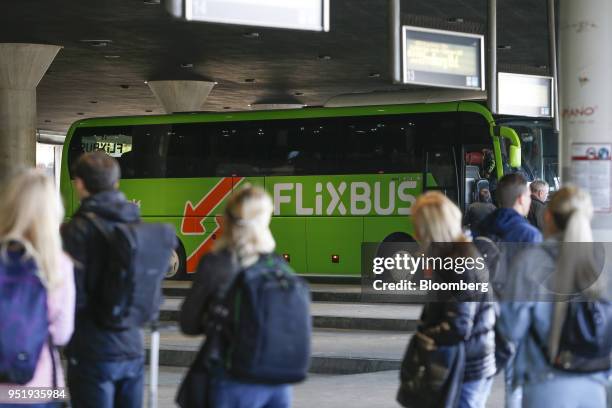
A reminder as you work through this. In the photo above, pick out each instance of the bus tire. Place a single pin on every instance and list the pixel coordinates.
(178, 263)
(395, 237)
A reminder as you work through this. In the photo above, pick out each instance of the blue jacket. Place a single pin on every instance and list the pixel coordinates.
(507, 225)
(530, 315)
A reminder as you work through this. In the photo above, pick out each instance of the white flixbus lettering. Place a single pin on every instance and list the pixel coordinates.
(278, 198)
(336, 195)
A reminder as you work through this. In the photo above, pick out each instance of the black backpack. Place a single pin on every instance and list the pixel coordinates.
(586, 338)
(263, 324)
(585, 345)
(129, 291)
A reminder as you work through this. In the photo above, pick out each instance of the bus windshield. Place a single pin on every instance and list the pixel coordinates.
(539, 148)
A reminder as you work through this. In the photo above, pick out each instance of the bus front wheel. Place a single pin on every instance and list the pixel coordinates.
(178, 263)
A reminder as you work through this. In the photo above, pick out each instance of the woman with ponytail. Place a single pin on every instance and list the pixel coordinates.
(458, 317)
(545, 278)
(31, 213)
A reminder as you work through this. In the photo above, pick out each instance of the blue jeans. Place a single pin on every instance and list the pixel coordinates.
(567, 391)
(228, 393)
(474, 394)
(106, 384)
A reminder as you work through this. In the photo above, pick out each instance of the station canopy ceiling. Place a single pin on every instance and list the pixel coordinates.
(111, 47)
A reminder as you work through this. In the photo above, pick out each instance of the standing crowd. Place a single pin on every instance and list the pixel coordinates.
(551, 351)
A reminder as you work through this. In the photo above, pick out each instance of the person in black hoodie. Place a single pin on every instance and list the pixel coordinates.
(105, 367)
(457, 317)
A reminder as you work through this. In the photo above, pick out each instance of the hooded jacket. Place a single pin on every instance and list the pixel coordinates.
(88, 249)
(507, 225)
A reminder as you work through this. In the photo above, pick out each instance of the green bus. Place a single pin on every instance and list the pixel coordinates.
(338, 176)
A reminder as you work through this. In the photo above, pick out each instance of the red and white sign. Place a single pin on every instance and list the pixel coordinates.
(591, 169)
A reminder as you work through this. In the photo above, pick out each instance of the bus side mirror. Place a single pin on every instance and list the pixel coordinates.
(514, 143)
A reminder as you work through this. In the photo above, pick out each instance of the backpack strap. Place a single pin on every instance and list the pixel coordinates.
(95, 221)
(52, 349)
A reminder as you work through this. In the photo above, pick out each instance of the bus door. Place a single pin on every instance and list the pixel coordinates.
(477, 170)
(440, 171)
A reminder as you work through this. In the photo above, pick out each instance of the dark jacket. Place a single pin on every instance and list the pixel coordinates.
(452, 321)
(477, 212)
(536, 213)
(214, 270)
(507, 225)
(87, 248)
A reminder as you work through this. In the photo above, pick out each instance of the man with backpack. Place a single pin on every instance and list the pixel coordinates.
(112, 251)
(500, 236)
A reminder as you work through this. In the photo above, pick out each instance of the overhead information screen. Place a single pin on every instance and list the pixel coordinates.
(524, 95)
(292, 14)
(442, 58)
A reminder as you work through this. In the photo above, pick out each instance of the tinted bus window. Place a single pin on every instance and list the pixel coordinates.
(345, 145)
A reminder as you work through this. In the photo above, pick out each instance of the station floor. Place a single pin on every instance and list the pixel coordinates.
(371, 390)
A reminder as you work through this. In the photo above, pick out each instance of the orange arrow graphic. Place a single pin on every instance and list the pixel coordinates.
(205, 246)
(193, 215)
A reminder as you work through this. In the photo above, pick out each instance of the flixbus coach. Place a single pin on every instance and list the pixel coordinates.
(338, 176)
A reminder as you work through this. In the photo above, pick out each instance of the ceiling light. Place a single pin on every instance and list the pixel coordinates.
(97, 43)
(455, 20)
(504, 47)
(252, 34)
(325, 57)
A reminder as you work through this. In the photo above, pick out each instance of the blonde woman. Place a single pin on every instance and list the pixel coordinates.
(437, 223)
(245, 239)
(31, 214)
(564, 264)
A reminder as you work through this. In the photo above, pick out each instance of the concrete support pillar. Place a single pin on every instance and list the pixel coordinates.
(585, 90)
(22, 66)
(181, 96)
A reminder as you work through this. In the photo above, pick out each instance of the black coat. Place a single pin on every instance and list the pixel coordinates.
(536, 213)
(87, 248)
(452, 320)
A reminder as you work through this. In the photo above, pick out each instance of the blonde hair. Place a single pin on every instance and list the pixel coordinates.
(31, 213)
(247, 225)
(437, 219)
(571, 211)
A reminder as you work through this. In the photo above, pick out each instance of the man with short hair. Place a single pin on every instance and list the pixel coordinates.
(539, 195)
(508, 222)
(105, 367)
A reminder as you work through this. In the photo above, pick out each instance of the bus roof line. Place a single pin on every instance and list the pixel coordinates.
(306, 113)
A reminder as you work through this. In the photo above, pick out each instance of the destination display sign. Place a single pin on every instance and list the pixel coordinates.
(293, 14)
(442, 58)
(524, 95)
